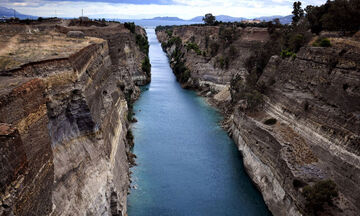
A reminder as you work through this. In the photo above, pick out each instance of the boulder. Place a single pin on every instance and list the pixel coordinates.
(75, 34)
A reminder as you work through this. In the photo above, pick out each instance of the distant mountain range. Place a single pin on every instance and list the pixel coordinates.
(225, 18)
(7, 13)
(166, 18)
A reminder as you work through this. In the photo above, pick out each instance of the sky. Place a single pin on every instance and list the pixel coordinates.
(136, 9)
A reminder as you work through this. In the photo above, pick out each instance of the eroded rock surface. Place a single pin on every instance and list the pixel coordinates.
(314, 99)
(64, 118)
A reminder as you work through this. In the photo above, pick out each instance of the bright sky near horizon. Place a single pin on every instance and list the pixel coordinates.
(135, 9)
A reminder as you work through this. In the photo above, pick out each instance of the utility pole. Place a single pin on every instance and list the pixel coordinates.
(55, 14)
(14, 13)
(82, 12)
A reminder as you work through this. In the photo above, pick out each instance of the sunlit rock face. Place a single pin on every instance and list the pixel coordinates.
(313, 98)
(64, 118)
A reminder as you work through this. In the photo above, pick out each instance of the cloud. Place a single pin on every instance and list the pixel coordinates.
(185, 9)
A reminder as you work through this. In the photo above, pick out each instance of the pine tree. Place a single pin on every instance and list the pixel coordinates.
(298, 12)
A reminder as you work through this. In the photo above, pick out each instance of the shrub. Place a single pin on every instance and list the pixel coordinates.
(296, 42)
(287, 53)
(317, 195)
(143, 43)
(227, 34)
(169, 32)
(174, 40)
(241, 90)
(270, 121)
(193, 46)
(130, 26)
(322, 42)
(146, 66)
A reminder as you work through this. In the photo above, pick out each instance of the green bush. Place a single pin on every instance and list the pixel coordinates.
(130, 26)
(322, 42)
(287, 53)
(296, 42)
(146, 66)
(227, 34)
(245, 90)
(317, 195)
(270, 121)
(335, 15)
(169, 32)
(174, 40)
(193, 46)
(143, 43)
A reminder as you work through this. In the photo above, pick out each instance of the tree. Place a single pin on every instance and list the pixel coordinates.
(209, 19)
(337, 15)
(298, 12)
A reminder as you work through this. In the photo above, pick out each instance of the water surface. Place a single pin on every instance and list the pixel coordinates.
(187, 165)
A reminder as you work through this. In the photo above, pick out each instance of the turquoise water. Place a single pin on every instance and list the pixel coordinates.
(187, 165)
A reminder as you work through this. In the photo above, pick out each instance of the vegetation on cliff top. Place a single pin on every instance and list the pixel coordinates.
(337, 15)
(130, 26)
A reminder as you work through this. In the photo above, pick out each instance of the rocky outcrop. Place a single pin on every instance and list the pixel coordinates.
(64, 123)
(311, 102)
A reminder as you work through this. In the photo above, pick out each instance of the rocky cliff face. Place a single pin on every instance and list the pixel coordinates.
(307, 129)
(64, 118)
(212, 54)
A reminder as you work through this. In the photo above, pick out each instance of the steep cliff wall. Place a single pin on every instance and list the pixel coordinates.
(312, 101)
(212, 54)
(64, 120)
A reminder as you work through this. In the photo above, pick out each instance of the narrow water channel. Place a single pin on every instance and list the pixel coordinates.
(187, 165)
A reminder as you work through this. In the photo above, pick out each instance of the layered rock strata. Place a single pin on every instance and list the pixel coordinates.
(313, 100)
(64, 118)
